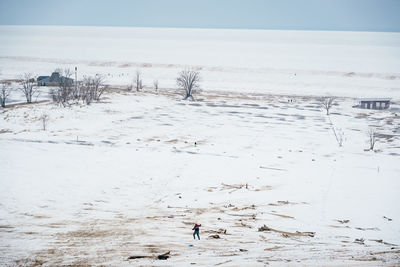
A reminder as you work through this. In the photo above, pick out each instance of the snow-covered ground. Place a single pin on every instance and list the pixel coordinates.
(100, 183)
(123, 177)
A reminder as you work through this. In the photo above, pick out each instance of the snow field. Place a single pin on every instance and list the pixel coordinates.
(100, 184)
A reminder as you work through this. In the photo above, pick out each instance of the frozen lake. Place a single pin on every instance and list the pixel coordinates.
(356, 64)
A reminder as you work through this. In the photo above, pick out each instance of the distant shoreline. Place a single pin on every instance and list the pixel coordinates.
(197, 28)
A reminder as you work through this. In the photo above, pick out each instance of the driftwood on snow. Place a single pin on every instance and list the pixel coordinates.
(286, 234)
(163, 256)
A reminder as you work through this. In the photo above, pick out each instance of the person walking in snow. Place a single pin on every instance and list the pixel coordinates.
(196, 229)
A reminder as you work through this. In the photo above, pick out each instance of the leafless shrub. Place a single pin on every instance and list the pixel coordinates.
(188, 80)
(76, 94)
(155, 83)
(54, 95)
(339, 134)
(86, 93)
(327, 103)
(372, 134)
(27, 81)
(5, 91)
(44, 119)
(138, 81)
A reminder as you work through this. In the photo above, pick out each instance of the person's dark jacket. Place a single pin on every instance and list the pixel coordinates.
(196, 226)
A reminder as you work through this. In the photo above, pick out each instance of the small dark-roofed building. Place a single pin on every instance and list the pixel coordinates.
(54, 80)
(41, 78)
(373, 103)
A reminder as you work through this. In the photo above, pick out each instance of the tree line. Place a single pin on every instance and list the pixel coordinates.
(90, 88)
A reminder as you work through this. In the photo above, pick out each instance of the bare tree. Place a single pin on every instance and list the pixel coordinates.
(327, 103)
(138, 81)
(65, 86)
(155, 84)
(5, 91)
(65, 90)
(188, 80)
(372, 134)
(98, 86)
(59, 70)
(93, 88)
(27, 81)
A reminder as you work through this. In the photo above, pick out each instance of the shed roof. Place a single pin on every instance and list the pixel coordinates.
(45, 80)
(42, 77)
(377, 99)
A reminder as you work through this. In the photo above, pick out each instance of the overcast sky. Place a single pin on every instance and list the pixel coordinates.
(355, 15)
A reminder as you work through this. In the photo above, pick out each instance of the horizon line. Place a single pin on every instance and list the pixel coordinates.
(197, 28)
